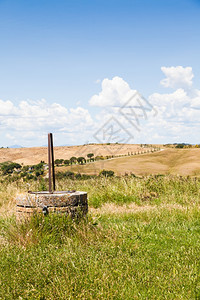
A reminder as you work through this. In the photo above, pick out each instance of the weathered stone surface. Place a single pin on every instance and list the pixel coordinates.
(69, 203)
(55, 199)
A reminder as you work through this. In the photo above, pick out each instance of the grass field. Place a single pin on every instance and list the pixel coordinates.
(30, 156)
(169, 161)
(141, 240)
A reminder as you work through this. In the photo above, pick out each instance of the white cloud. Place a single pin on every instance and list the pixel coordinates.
(10, 136)
(178, 112)
(177, 77)
(177, 106)
(178, 118)
(31, 120)
(7, 108)
(114, 92)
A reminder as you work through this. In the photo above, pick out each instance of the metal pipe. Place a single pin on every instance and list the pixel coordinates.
(49, 161)
(52, 161)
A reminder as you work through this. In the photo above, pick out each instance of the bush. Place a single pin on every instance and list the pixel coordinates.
(61, 175)
(67, 162)
(59, 162)
(78, 176)
(107, 173)
(8, 168)
(81, 160)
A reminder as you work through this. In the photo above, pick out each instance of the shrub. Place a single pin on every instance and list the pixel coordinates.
(67, 162)
(90, 155)
(8, 168)
(59, 162)
(81, 160)
(107, 173)
(73, 159)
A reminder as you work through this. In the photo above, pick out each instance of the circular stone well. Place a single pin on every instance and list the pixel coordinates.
(72, 203)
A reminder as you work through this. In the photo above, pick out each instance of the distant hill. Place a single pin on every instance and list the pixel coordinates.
(30, 156)
(169, 161)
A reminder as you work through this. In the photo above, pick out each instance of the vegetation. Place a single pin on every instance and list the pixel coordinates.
(170, 161)
(81, 160)
(107, 173)
(142, 242)
(90, 156)
(67, 162)
(73, 160)
(9, 167)
(58, 161)
(18, 171)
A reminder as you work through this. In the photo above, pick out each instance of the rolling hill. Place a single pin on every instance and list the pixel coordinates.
(30, 156)
(169, 161)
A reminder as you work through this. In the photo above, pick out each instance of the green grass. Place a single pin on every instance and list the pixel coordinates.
(148, 254)
(142, 256)
(152, 190)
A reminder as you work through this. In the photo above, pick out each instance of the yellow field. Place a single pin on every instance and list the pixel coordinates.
(30, 156)
(168, 161)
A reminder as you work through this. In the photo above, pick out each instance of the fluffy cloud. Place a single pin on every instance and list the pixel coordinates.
(177, 118)
(177, 106)
(29, 120)
(178, 112)
(114, 92)
(177, 77)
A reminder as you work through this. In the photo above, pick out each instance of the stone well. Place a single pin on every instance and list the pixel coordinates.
(69, 203)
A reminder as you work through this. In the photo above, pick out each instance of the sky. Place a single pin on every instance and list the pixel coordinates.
(99, 71)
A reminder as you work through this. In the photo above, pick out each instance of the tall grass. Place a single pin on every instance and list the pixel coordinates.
(138, 256)
(119, 190)
(146, 254)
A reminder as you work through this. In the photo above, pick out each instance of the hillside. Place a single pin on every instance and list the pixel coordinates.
(30, 156)
(169, 161)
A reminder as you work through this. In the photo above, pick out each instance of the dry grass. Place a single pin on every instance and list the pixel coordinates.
(30, 156)
(111, 208)
(169, 161)
(142, 242)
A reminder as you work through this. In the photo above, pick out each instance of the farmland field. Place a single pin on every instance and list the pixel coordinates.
(29, 156)
(127, 159)
(169, 161)
(141, 240)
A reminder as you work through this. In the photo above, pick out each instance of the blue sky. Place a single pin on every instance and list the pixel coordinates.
(62, 51)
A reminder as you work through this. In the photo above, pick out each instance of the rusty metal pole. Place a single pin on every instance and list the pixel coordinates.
(49, 161)
(52, 161)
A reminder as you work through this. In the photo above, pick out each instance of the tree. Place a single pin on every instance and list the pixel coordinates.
(8, 168)
(90, 155)
(73, 159)
(38, 173)
(81, 160)
(107, 173)
(179, 146)
(67, 162)
(58, 161)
